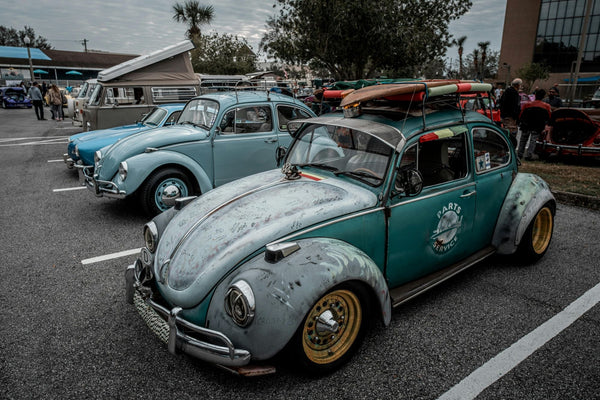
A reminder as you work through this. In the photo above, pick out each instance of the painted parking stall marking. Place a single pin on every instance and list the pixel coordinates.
(112, 256)
(33, 141)
(68, 189)
(497, 367)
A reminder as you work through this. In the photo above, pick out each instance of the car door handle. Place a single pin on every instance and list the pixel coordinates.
(270, 140)
(468, 194)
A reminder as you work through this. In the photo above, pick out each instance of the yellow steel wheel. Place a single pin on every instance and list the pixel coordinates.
(542, 231)
(332, 327)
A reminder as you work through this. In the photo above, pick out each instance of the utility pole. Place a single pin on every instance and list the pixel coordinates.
(84, 43)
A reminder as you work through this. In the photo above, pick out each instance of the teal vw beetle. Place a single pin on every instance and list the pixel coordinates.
(370, 209)
(219, 137)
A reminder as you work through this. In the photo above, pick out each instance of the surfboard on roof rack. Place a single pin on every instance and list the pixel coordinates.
(412, 91)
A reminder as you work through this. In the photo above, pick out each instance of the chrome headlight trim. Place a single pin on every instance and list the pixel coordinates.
(97, 156)
(77, 150)
(123, 170)
(151, 236)
(240, 304)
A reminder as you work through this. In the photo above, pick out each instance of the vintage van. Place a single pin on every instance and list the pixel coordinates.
(125, 92)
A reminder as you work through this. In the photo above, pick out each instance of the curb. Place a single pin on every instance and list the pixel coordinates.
(580, 200)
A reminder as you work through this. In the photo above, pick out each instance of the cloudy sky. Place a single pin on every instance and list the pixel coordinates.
(144, 26)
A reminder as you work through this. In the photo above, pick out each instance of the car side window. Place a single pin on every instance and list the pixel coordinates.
(288, 113)
(253, 119)
(442, 158)
(490, 150)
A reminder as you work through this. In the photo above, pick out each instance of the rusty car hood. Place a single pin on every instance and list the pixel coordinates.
(211, 235)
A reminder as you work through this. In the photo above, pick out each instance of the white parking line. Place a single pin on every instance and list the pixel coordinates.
(68, 189)
(52, 161)
(110, 256)
(497, 367)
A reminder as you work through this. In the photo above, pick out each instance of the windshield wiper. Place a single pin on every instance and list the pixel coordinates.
(359, 174)
(197, 125)
(321, 166)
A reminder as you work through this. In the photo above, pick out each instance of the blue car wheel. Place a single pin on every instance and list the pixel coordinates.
(162, 188)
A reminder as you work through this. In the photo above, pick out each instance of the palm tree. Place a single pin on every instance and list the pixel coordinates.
(460, 43)
(476, 61)
(193, 14)
(483, 46)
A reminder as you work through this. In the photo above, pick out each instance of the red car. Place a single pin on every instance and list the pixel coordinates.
(481, 104)
(572, 132)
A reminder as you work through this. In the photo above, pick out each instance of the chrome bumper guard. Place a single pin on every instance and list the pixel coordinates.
(167, 325)
(101, 188)
(558, 148)
(68, 160)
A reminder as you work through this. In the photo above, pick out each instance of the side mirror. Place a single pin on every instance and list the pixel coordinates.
(409, 182)
(280, 154)
(293, 127)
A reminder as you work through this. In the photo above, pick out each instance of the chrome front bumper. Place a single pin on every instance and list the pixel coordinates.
(169, 326)
(101, 188)
(579, 150)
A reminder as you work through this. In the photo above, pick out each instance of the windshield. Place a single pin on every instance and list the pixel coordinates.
(154, 117)
(343, 151)
(85, 90)
(200, 112)
(95, 96)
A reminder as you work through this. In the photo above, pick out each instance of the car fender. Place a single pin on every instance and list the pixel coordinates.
(284, 292)
(526, 196)
(142, 165)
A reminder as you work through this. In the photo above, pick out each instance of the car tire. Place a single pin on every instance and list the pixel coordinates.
(153, 189)
(321, 351)
(536, 239)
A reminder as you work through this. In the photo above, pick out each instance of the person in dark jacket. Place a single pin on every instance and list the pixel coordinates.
(532, 121)
(510, 108)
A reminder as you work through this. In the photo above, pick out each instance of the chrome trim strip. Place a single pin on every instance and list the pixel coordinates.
(214, 210)
(559, 147)
(319, 226)
(466, 185)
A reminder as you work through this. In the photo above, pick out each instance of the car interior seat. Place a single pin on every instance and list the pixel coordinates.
(434, 164)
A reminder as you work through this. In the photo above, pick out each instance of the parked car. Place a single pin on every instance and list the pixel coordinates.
(481, 104)
(301, 258)
(75, 104)
(219, 137)
(14, 97)
(82, 146)
(570, 132)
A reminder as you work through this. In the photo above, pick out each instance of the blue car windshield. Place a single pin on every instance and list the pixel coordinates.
(343, 151)
(154, 117)
(199, 112)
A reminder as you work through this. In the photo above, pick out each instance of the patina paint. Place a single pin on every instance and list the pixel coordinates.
(527, 194)
(285, 291)
(211, 237)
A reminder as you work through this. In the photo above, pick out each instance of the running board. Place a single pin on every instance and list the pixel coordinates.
(403, 293)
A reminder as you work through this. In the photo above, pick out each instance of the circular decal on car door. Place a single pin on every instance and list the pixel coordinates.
(449, 223)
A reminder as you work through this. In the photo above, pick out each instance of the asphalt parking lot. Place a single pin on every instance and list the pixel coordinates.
(500, 330)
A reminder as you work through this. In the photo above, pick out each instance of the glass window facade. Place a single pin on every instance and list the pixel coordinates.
(559, 33)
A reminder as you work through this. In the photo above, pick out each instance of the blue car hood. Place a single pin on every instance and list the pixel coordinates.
(137, 143)
(215, 232)
(89, 142)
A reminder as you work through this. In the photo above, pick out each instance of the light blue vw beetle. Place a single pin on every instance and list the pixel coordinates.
(300, 259)
(82, 146)
(219, 137)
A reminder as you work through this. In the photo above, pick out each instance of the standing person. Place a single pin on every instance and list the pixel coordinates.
(533, 119)
(510, 107)
(553, 99)
(44, 91)
(35, 94)
(55, 100)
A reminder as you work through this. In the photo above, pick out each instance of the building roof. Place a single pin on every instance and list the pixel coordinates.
(62, 59)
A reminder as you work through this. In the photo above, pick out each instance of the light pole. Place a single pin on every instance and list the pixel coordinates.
(28, 43)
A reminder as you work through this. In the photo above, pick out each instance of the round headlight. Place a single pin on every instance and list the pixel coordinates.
(97, 156)
(151, 236)
(240, 304)
(123, 170)
(77, 150)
